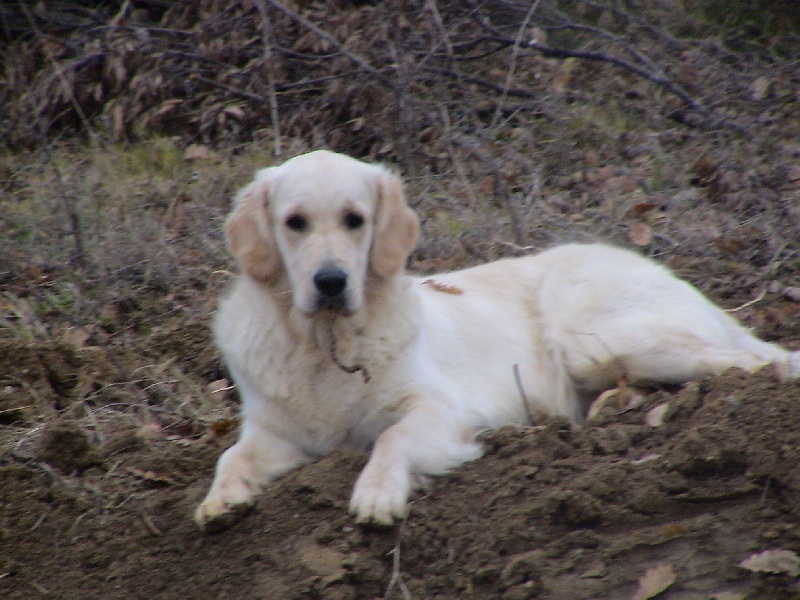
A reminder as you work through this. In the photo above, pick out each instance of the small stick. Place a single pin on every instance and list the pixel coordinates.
(397, 577)
(750, 303)
(523, 396)
(269, 59)
(148, 523)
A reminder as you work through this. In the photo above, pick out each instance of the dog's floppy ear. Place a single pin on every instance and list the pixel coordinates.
(396, 228)
(249, 233)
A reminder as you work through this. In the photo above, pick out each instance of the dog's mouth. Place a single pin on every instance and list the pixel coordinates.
(335, 305)
(332, 292)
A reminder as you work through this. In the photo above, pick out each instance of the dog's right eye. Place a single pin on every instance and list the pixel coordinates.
(297, 223)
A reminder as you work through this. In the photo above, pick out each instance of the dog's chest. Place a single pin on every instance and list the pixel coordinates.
(330, 398)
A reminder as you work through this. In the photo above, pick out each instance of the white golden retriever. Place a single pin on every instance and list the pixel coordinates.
(330, 343)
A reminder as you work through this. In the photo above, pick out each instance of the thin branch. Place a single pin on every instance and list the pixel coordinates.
(517, 92)
(658, 78)
(334, 42)
(514, 55)
(231, 90)
(65, 86)
(269, 59)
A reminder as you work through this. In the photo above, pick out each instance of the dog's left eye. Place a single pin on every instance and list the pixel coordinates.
(353, 220)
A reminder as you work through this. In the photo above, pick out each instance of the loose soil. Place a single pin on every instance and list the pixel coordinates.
(552, 511)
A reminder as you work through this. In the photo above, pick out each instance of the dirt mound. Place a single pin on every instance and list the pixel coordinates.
(549, 512)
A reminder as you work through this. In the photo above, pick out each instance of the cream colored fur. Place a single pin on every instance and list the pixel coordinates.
(410, 368)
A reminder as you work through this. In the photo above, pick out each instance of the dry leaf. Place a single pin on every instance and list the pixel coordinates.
(640, 210)
(236, 111)
(727, 596)
(655, 416)
(773, 561)
(654, 581)
(487, 186)
(79, 336)
(600, 402)
(620, 185)
(562, 78)
(443, 287)
(223, 426)
(759, 88)
(151, 477)
(672, 530)
(640, 234)
(150, 431)
(197, 152)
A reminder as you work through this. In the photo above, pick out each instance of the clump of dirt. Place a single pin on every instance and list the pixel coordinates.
(38, 378)
(66, 446)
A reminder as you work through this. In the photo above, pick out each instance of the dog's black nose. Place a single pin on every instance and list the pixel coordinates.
(330, 281)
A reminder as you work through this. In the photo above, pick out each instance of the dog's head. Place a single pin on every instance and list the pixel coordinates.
(329, 222)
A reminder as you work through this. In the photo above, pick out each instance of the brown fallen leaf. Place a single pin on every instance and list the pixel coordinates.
(640, 234)
(727, 596)
(443, 287)
(640, 210)
(197, 152)
(654, 581)
(223, 426)
(151, 477)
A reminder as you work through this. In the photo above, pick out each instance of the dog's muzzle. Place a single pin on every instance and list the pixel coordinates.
(331, 284)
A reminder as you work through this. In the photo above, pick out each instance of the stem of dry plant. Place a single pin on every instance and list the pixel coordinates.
(269, 59)
(514, 54)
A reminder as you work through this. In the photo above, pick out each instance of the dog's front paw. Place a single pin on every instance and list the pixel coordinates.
(224, 506)
(380, 495)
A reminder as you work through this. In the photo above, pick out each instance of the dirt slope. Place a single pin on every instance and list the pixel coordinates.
(549, 512)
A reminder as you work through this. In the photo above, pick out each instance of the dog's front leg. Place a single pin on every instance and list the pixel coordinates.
(243, 469)
(427, 441)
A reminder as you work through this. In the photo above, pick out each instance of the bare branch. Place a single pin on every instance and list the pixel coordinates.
(333, 42)
(514, 54)
(657, 76)
(269, 59)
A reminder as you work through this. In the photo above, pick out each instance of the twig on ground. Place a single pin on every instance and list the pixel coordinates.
(397, 577)
(755, 300)
(523, 396)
